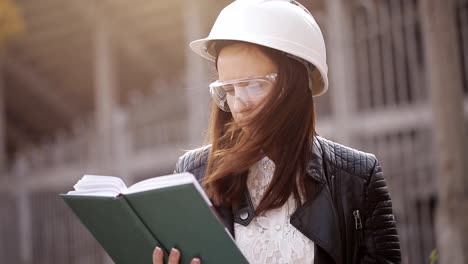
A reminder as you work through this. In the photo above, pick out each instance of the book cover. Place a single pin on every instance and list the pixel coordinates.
(167, 211)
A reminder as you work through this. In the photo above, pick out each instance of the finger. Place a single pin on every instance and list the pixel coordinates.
(195, 261)
(158, 256)
(174, 256)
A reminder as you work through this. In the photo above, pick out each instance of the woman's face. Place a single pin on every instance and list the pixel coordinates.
(240, 61)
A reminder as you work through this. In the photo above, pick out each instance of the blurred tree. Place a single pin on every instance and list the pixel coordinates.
(444, 78)
(11, 22)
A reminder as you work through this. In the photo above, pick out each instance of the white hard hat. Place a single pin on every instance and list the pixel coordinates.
(283, 25)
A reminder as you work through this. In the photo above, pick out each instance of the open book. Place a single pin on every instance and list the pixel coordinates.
(97, 185)
(166, 211)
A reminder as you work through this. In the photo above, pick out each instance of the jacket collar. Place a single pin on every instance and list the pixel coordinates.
(316, 218)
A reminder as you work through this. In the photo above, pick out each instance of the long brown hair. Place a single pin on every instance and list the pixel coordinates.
(283, 130)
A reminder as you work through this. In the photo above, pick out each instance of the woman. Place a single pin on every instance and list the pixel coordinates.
(286, 194)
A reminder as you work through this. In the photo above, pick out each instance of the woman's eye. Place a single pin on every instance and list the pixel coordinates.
(255, 87)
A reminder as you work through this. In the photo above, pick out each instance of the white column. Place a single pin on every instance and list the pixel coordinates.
(23, 211)
(121, 145)
(105, 85)
(341, 65)
(196, 74)
(444, 80)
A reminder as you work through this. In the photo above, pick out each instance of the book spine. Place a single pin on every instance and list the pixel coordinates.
(163, 247)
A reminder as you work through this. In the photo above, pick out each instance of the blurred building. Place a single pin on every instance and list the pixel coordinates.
(110, 87)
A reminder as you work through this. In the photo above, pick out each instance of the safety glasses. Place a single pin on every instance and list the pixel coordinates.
(249, 91)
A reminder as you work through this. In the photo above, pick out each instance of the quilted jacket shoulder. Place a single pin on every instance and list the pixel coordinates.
(353, 161)
(194, 161)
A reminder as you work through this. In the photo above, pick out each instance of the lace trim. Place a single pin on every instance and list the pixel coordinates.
(270, 238)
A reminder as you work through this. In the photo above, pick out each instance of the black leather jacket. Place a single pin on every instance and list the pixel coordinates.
(350, 219)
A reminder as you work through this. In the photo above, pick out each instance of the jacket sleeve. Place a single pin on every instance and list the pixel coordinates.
(178, 166)
(193, 161)
(381, 243)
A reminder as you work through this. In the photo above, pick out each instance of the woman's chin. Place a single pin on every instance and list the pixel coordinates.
(242, 122)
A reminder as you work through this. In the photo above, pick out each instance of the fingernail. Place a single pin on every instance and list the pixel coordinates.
(175, 251)
(158, 248)
(196, 261)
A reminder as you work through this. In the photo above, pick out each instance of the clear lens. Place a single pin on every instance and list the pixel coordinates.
(249, 91)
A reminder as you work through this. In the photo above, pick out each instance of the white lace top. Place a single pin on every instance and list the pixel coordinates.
(270, 238)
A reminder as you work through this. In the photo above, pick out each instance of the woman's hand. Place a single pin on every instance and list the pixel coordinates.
(173, 257)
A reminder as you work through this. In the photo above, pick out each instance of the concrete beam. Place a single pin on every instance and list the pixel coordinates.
(341, 64)
(196, 73)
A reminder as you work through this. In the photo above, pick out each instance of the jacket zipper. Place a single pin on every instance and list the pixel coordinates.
(357, 220)
(358, 227)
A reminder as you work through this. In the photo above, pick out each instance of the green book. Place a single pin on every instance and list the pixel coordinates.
(166, 211)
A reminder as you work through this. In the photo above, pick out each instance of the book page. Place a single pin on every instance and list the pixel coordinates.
(96, 185)
(167, 181)
(161, 182)
(111, 186)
